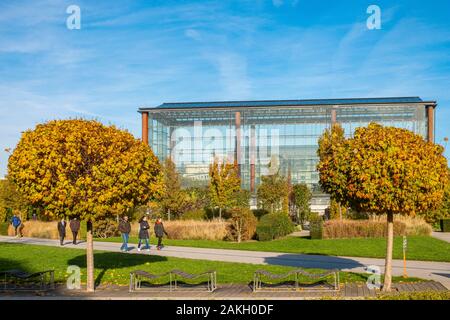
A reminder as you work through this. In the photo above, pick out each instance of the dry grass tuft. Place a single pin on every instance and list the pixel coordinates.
(41, 229)
(415, 226)
(374, 227)
(179, 229)
(191, 229)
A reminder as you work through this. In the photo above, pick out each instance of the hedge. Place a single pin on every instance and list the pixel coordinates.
(445, 225)
(274, 225)
(316, 226)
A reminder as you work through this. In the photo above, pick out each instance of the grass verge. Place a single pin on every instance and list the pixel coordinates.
(419, 247)
(114, 268)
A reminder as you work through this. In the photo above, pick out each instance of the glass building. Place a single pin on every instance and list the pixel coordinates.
(283, 133)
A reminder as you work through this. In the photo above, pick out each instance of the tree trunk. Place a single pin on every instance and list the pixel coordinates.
(90, 258)
(220, 213)
(239, 235)
(340, 212)
(168, 214)
(389, 246)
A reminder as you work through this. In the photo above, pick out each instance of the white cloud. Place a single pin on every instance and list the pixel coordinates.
(233, 76)
(193, 34)
(277, 3)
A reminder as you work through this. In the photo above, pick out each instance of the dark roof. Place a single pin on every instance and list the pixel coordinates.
(270, 103)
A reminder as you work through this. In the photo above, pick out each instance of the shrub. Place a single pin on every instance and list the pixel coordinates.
(4, 228)
(106, 228)
(243, 224)
(445, 225)
(196, 214)
(316, 226)
(258, 213)
(274, 225)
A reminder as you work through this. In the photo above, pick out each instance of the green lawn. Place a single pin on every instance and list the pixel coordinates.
(419, 248)
(114, 268)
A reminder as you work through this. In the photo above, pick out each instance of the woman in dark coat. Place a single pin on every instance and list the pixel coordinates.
(143, 233)
(159, 232)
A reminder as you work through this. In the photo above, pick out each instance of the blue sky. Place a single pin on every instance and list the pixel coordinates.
(133, 53)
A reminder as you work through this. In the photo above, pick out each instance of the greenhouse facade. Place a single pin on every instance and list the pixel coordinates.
(262, 137)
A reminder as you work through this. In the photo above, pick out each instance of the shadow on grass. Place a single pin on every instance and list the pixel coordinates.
(12, 279)
(9, 264)
(114, 260)
(313, 262)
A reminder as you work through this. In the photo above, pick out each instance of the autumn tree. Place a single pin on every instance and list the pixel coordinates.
(331, 150)
(198, 198)
(173, 199)
(242, 224)
(383, 170)
(443, 212)
(11, 199)
(301, 196)
(224, 184)
(243, 199)
(79, 168)
(272, 192)
(337, 211)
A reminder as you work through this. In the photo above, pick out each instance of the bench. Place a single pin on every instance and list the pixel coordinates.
(137, 276)
(259, 274)
(46, 279)
(211, 277)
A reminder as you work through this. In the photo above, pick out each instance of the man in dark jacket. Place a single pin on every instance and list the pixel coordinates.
(75, 227)
(159, 232)
(62, 230)
(125, 229)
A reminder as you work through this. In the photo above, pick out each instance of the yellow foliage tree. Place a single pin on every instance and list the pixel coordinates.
(224, 185)
(79, 168)
(383, 170)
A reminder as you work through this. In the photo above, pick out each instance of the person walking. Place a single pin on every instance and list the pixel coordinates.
(159, 232)
(16, 223)
(74, 227)
(62, 230)
(125, 229)
(143, 233)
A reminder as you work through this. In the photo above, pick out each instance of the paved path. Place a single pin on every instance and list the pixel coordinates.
(438, 271)
(445, 236)
(223, 292)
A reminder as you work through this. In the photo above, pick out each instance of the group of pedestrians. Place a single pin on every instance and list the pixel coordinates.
(74, 225)
(124, 229)
(144, 235)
